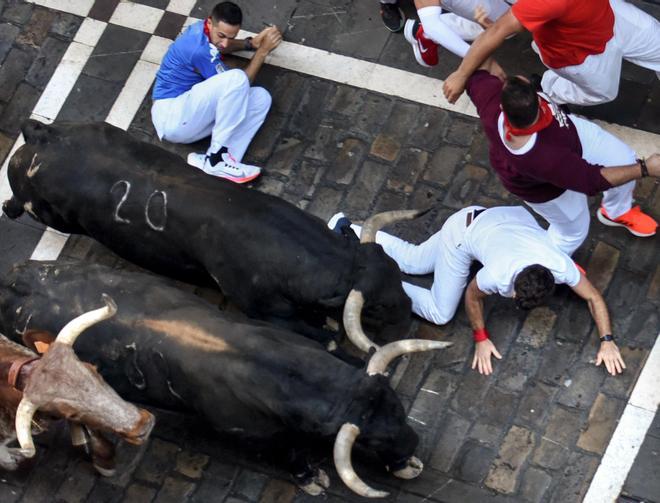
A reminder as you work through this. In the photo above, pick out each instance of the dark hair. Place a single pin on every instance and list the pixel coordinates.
(533, 285)
(519, 102)
(227, 12)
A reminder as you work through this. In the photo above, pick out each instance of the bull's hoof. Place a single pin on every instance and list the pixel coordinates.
(412, 469)
(317, 484)
(12, 208)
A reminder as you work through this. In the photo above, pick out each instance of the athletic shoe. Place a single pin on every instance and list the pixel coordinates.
(338, 221)
(226, 167)
(425, 49)
(637, 223)
(392, 16)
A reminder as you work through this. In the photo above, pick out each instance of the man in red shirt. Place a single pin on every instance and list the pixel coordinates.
(552, 160)
(582, 44)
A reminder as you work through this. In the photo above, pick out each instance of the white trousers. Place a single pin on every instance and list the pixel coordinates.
(440, 254)
(568, 214)
(596, 80)
(223, 106)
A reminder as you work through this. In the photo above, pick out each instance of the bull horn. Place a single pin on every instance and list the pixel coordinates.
(77, 326)
(376, 222)
(352, 323)
(24, 414)
(342, 455)
(381, 359)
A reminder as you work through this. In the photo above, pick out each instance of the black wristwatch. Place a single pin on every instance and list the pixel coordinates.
(248, 44)
(607, 338)
(643, 168)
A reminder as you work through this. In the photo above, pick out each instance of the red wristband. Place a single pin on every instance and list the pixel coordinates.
(480, 335)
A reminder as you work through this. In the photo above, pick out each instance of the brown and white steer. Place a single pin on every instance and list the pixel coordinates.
(58, 385)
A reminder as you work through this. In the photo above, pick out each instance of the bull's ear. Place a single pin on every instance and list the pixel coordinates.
(38, 340)
(35, 132)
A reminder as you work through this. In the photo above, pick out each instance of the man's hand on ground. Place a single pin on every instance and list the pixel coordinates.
(267, 39)
(454, 87)
(609, 353)
(482, 352)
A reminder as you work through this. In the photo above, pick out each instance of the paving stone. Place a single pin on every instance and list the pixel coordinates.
(534, 483)
(465, 186)
(170, 25)
(417, 366)
(346, 101)
(460, 132)
(537, 328)
(362, 192)
(175, 490)
(473, 462)
(216, 482)
(602, 265)
(643, 481)
(453, 429)
(65, 25)
(431, 127)
(385, 147)
(653, 292)
(104, 492)
(575, 478)
(47, 60)
(41, 487)
(285, 155)
(521, 365)
(389, 201)
(6, 143)
(497, 407)
(278, 491)
(325, 202)
(533, 406)
(13, 71)
(77, 485)
(563, 426)
(348, 159)
(471, 390)
(158, 461)
(286, 90)
(622, 385)
(324, 146)
(581, 392)
(408, 168)
(556, 361)
(479, 153)
(402, 122)
(90, 100)
(550, 455)
(9, 494)
(191, 464)
(250, 484)
(600, 424)
(8, 33)
(138, 493)
(309, 109)
(517, 445)
(456, 356)
(375, 110)
(444, 162)
(637, 327)
(264, 141)
(115, 54)
(486, 433)
(22, 235)
(18, 12)
(37, 28)
(103, 10)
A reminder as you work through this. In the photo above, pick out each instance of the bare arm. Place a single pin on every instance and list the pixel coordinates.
(474, 307)
(480, 50)
(618, 175)
(608, 352)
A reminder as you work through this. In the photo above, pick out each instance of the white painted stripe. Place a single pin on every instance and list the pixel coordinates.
(50, 245)
(129, 100)
(629, 434)
(77, 7)
(136, 16)
(643, 143)
(90, 32)
(181, 6)
(155, 49)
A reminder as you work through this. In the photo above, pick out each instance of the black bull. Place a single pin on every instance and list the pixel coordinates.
(169, 348)
(273, 260)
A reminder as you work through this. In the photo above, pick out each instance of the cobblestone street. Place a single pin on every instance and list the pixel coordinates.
(534, 431)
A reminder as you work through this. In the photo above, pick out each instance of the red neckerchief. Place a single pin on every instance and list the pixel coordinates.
(544, 120)
(207, 32)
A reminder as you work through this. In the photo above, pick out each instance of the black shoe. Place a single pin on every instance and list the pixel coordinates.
(338, 222)
(392, 16)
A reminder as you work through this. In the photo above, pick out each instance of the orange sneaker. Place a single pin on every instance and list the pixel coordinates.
(637, 223)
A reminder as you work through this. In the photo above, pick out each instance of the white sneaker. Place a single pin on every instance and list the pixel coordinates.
(228, 168)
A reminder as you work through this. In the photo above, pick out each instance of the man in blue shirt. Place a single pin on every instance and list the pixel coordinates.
(196, 94)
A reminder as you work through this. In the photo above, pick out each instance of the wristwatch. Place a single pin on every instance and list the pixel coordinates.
(248, 44)
(607, 338)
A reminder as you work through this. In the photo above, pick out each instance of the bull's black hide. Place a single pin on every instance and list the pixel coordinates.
(171, 349)
(275, 261)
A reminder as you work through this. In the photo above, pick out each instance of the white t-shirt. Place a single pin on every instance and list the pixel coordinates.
(507, 239)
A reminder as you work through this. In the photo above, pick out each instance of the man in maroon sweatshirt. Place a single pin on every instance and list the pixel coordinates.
(553, 160)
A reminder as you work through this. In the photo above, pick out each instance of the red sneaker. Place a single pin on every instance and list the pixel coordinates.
(637, 223)
(425, 49)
